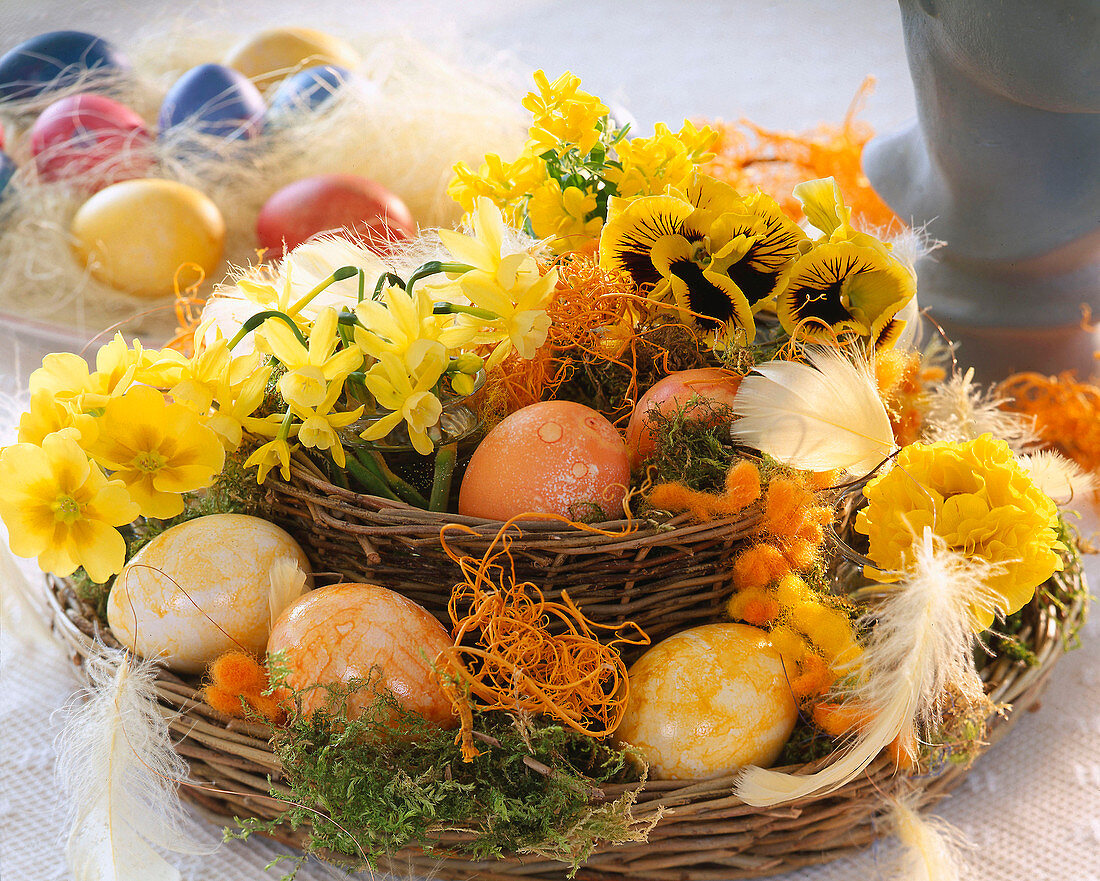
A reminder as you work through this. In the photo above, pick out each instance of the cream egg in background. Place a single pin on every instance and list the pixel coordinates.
(205, 587)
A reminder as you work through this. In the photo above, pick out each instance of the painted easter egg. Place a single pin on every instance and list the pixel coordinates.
(135, 235)
(337, 634)
(307, 91)
(90, 137)
(700, 394)
(331, 202)
(7, 169)
(708, 701)
(557, 457)
(203, 588)
(57, 60)
(212, 99)
(271, 55)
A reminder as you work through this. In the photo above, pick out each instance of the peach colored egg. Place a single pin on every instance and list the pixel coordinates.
(333, 635)
(200, 589)
(708, 701)
(554, 457)
(711, 385)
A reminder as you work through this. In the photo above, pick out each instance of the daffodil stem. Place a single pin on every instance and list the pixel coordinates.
(444, 470)
(455, 308)
(258, 319)
(339, 275)
(370, 479)
(284, 426)
(434, 267)
(382, 280)
(399, 485)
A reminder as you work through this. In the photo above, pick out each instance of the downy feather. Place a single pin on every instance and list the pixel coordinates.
(119, 771)
(818, 417)
(1060, 478)
(930, 846)
(287, 583)
(921, 644)
(959, 410)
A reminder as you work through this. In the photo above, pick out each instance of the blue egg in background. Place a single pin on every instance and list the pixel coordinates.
(58, 59)
(212, 99)
(307, 90)
(7, 169)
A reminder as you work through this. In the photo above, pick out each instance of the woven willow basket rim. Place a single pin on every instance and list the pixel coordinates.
(705, 833)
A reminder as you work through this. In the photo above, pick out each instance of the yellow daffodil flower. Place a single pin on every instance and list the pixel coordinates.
(274, 453)
(396, 322)
(157, 449)
(62, 509)
(320, 427)
(404, 386)
(980, 501)
(562, 114)
(236, 404)
(568, 216)
(309, 369)
(848, 282)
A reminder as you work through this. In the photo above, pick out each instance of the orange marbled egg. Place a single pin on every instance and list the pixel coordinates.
(337, 634)
(708, 701)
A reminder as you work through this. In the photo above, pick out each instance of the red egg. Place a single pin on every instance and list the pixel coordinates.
(90, 137)
(555, 457)
(333, 202)
(711, 385)
(345, 632)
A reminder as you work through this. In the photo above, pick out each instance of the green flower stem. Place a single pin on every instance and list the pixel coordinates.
(383, 279)
(284, 427)
(258, 319)
(362, 286)
(444, 471)
(398, 484)
(369, 478)
(339, 275)
(455, 308)
(434, 267)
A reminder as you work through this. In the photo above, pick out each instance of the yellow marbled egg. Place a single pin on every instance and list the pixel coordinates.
(135, 235)
(202, 588)
(271, 55)
(708, 701)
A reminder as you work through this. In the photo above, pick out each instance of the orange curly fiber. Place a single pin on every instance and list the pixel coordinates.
(238, 680)
(742, 489)
(750, 157)
(188, 310)
(518, 665)
(1066, 412)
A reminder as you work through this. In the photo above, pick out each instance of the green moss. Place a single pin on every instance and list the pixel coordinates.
(389, 780)
(695, 451)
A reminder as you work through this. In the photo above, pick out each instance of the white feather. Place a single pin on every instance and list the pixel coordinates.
(288, 582)
(120, 773)
(817, 417)
(930, 845)
(1060, 478)
(920, 645)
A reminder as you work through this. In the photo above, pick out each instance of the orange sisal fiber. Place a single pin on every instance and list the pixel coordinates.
(236, 677)
(1066, 412)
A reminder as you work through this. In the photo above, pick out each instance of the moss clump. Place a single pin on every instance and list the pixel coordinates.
(389, 780)
(694, 450)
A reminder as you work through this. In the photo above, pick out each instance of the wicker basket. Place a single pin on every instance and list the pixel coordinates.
(664, 576)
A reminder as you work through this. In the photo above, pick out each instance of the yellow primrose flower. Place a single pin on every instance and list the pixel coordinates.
(61, 508)
(650, 166)
(397, 321)
(849, 282)
(66, 376)
(47, 415)
(319, 428)
(562, 114)
(309, 369)
(980, 501)
(275, 452)
(157, 449)
(404, 386)
(568, 216)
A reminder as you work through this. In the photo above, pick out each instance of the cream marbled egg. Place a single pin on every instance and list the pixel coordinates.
(200, 589)
(708, 701)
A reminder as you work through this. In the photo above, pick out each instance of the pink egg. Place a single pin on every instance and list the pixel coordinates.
(556, 457)
(346, 632)
(333, 202)
(90, 137)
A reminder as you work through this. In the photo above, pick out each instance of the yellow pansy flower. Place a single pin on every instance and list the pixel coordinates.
(157, 449)
(310, 368)
(404, 386)
(60, 508)
(980, 501)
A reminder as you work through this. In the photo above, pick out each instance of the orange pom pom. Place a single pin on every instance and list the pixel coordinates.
(267, 707)
(814, 679)
(223, 701)
(757, 607)
(238, 673)
(742, 486)
(800, 554)
(758, 566)
(838, 720)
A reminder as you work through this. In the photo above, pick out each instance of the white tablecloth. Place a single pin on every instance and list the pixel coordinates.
(1031, 807)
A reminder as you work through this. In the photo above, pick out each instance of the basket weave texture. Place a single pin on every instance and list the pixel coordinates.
(665, 576)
